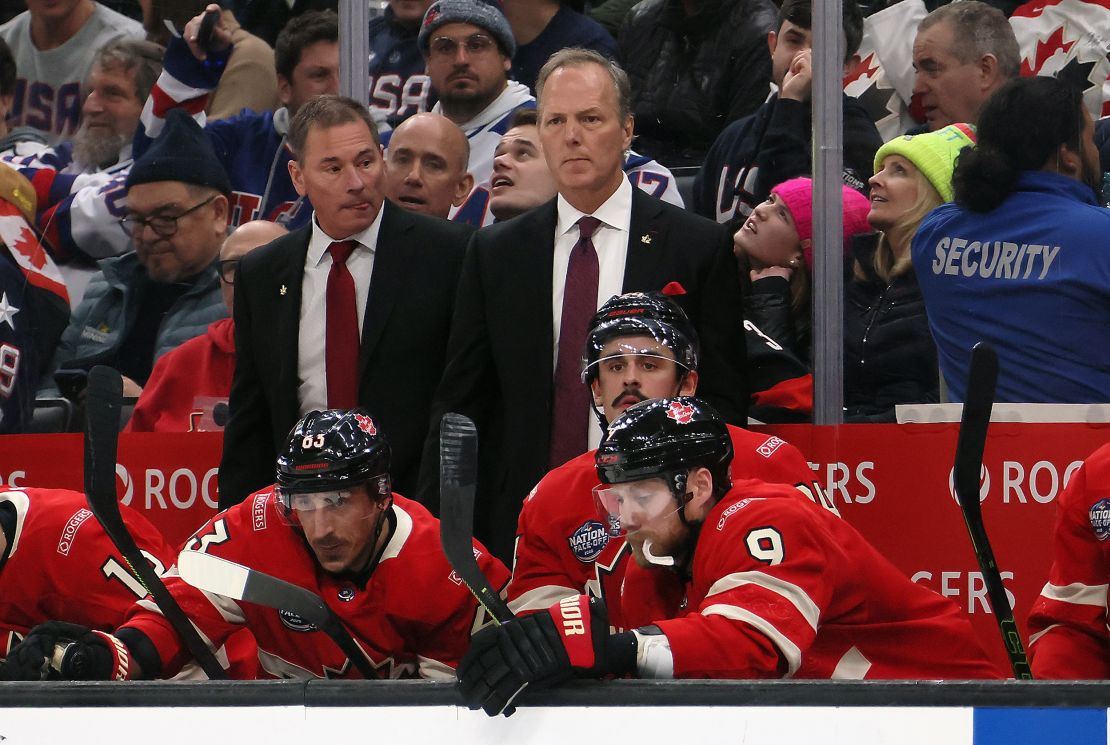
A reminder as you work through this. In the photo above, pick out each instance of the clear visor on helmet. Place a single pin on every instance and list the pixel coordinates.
(338, 502)
(635, 505)
(619, 353)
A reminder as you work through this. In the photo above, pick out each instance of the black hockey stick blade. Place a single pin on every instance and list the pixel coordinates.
(103, 403)
(974, 422)
(238, 582)
(458, 475)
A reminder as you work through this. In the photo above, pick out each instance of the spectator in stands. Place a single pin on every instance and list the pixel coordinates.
(1020, 259)
(889, 354)
(13, 140)
(188, 389)
(695, 65)
(609, 13)
(521, 179)
(425, 165)
(522, 296)
(963, 52)
(250, 79)
(543, 27)
(34, 307)
(252, 145)
(399, 83)
(774, 248)
(53, 43)
(266, 19)
(147, 302)
(773, 144)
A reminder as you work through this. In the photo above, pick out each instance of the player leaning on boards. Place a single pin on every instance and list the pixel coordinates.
(330, 525)
(775, 586)
(639, 346)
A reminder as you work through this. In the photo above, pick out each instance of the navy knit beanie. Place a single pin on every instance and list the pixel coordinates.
(183, 153)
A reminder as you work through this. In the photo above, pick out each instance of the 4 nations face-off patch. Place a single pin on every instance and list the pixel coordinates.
(1100, 518)
(587, 542)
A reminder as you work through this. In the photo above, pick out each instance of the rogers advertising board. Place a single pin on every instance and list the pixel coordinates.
(893, 482)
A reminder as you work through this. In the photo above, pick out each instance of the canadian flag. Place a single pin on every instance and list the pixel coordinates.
(28, 252)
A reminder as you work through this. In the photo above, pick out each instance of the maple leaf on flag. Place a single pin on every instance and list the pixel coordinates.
(1044, 51)
(30, 247)
(863, 70)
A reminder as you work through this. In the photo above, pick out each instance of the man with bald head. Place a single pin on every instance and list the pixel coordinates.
(425, 165)
(189, 387)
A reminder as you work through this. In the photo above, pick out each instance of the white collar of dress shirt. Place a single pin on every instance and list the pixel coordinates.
(319, 242)
(616, 211)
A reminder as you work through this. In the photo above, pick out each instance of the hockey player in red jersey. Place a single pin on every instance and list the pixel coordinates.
(331, 525)
(775, 586)
(57, 562)
(1068, 636)
(640, 346)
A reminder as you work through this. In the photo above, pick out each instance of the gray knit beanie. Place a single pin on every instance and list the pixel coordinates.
(475, 12)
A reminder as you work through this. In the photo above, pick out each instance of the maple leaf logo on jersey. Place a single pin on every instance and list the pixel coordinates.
(28, 246)
(366, 424)
(681, 413)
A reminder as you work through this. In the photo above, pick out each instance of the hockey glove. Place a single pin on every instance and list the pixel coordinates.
(57, 650)
(540, 650)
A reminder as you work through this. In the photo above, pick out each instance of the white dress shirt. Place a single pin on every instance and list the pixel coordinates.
(312, 388)
(611, 244)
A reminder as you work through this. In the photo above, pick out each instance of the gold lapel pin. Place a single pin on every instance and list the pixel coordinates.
(282, 290)
(646, 239)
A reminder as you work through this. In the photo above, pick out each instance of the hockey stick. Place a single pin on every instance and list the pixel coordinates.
(103, 403)
(222, 577)
(458, 473)
(969, 462)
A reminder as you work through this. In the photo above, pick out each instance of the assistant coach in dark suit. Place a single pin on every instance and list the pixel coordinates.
(530, 285)
(404, 268)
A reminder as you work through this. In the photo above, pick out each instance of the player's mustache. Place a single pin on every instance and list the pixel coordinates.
(633, 391)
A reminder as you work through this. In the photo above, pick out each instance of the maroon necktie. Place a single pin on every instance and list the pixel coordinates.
(341, 336)
(570, 407)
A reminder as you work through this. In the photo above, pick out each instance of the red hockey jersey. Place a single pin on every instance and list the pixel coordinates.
(61, 565)
(1068, 623)
(561, 533)
(413, 618)
(783, 588)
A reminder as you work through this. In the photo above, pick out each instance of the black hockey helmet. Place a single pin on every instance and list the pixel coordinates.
(641, 314)
(332, 450)
(665, 438)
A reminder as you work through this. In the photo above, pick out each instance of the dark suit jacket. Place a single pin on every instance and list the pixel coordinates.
(499, 360)
(404, 335)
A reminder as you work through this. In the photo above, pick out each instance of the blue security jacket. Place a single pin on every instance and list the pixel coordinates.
(1031, 277)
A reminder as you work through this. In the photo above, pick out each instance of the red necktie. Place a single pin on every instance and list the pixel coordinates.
(571, 403)
(341, 336)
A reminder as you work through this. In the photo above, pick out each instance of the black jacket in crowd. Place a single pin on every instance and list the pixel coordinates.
(771, 146)
(889, 354)
(692, 76)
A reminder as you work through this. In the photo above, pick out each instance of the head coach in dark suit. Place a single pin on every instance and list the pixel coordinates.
(353, 309)
(530, 286)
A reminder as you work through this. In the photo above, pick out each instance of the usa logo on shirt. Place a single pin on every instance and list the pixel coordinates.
(1100, 518)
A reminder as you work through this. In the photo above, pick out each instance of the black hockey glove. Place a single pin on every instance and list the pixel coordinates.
(57, 650)
(540, 650)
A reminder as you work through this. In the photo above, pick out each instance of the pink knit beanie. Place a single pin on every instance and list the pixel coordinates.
(797, 195)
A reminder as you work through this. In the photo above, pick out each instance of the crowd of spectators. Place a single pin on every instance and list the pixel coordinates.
(247, 247)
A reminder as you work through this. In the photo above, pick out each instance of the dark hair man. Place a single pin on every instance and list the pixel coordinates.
(775, 586)
(772, 145)
(361, 288)
(521, 179)
(640, 346)
(1018, 259)
(332, 525)
(549, 271)
(963, 52)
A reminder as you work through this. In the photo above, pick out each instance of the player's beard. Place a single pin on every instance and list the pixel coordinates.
(93, 151)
